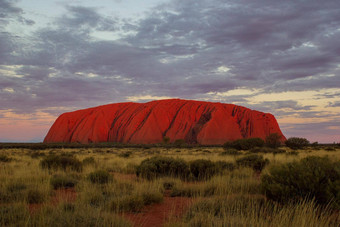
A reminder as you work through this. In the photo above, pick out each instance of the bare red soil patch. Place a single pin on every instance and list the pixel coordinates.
(156, 215)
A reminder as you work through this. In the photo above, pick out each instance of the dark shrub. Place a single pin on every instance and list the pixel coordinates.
(132, 203)
(230, 151)
(4, 158)
(63, 162)
(180, 143)
(223, 165)
(296, 142)
(59, 181)
(244, 144)
(166, 140)
(292, 153)
(267, 150)
(257, 162)
(37, 154)
(312, 178)
(162, 166)
(100, 177)
(125, 154)
(330, 149)
(35, 196)
(202, 169)
(89, 161)
(273, 140)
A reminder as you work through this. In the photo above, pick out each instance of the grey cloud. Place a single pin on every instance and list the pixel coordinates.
(334, 104)
(175, 51)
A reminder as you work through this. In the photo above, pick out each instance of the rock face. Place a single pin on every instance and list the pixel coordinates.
(199, 122)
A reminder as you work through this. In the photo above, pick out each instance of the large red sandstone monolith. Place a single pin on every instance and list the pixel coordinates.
(206, 123)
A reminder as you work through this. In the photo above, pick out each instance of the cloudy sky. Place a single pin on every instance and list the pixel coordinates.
(281, 57)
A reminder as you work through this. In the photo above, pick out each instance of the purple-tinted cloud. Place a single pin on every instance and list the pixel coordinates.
(174, 50)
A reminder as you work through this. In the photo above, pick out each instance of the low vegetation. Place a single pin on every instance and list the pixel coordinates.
(313, 178)
(224, 186)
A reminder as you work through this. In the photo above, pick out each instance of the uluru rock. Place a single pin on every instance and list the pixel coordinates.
(205, 123)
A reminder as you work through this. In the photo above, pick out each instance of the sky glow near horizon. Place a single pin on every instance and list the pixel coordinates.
(280, 57)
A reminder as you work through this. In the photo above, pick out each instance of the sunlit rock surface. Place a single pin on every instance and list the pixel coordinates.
(205, 123)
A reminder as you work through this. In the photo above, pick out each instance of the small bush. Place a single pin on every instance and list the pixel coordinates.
(133, 203)
(179, 143)
(151, 197)
(89, 161)
(63, 162)
(296, 143)
(202, 169)
(223, 165)
(125, 154)
(59, 181)
(330, 149)
(230, 151)
(244, 144)
(162, 166)
(267, 150)
(37, 154)
(310, 178)
(292, 153)
(273, 140)
(99, 177)
(4, 158)
(35, 196)
(257, 162)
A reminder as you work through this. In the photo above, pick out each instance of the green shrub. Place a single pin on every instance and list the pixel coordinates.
(4, 158)
(37, 154)
(330, 149)
(273, 140)
(100, 177)
(267, 150)
(58, 181)
(202, 169)
(244, 144)
(63, 162)
(230, 151)
(257, 162)
(162, 166)
(312, 178)
(151, 197)
(296, 142)
(89, 161)
(292, 153)
(125, 154)
(179, 143)
(223, 165)
(35, 196)
(132, 203)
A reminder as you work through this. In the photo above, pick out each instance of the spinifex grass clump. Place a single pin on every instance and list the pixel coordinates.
(311, 178)
(4, 158)
(200, 169)
(257, 162)
(100, 177)
(63, 162)
(245, 144)
(63, 181)
(154, 167)
(267, 150)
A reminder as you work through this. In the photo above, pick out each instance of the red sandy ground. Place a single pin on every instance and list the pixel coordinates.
(158, 214)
